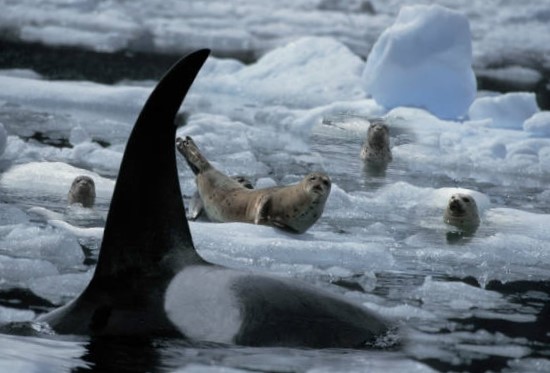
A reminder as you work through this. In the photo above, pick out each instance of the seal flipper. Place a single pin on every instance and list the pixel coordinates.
(193, 156)
(196, 207)
(146, 239)
(262, 210)
(263, 216)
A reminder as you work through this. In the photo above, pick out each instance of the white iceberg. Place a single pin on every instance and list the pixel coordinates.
(423, 60)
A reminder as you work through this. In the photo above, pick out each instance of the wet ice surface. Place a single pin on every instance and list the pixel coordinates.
(464, 302)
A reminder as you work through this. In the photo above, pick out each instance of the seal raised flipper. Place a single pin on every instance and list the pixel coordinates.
(194, 158)
(146, 242)
(262, 209)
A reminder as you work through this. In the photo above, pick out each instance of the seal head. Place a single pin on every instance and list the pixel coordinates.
(82, 191)
(194, 158)
(462, 212)
(376, 147)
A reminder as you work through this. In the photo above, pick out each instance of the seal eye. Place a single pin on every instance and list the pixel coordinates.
(313, 178)
(466, 199)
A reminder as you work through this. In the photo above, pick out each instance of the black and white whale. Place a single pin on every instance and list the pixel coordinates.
(150, 280)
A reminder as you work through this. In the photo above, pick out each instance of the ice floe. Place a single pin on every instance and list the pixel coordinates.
(423, 60)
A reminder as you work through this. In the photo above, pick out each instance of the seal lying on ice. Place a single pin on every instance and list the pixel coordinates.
(294, 208)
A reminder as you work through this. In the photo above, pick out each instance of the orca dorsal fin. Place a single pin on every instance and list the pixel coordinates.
(146, 227)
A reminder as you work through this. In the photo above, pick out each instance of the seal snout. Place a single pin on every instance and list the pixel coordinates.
(460, 203)
(84, 180)
(455, 206)
(378, 135)
(181, 144)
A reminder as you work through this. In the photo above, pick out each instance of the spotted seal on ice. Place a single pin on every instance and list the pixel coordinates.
(294, 208)
(82, 191)
(462, 212)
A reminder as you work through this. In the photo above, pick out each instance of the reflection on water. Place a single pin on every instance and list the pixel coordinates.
(485, 344)
(132, 354)
(32, 354)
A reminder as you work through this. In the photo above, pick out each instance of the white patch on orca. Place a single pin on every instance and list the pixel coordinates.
(201, 304)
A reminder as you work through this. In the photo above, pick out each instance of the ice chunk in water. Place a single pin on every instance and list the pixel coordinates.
(423, 60)
(538, 124)
(265, 182)
(44, 243)
(506, 111)
(19, 271)
(92, 232)
(266, 245)
(60, 289)
(10, 215)
(455, 295)
(14, 315)
(78, 135)
(311, 71)
(90, 155)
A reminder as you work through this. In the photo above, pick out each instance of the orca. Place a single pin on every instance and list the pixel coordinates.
(150, 280)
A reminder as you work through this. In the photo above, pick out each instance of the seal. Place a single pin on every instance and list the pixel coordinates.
(462, 212)
(196, 206)
(80, 206)
(376, 147)
(150, 281)
(82, 191)
(293, 208)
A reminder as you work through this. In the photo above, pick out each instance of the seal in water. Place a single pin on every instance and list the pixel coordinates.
(376, 147)
(150, 280)
(196, 206)
(294, 208)
(462, 212)
(82, 191)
